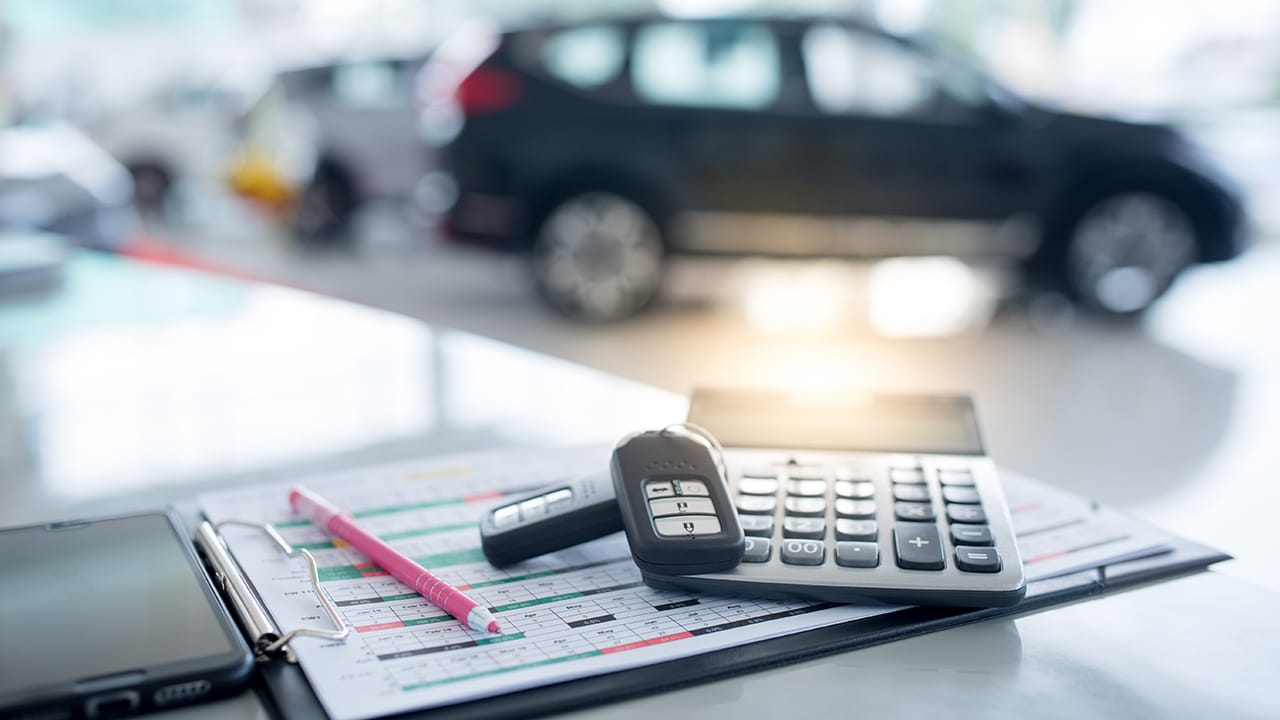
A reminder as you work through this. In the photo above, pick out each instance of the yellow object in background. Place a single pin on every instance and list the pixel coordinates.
(253, 174)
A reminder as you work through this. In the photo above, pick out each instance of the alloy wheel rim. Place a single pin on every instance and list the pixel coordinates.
(1127, 249)
(600, 256)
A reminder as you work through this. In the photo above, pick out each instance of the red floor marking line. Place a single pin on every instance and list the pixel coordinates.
(645, 643)
(158, 251)
(379, 626)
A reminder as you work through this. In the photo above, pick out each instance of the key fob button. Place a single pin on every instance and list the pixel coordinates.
(681, 506)
(505, 516)
(688, 525)
(533, 508)
(659, 489)
(692, 487)
(558, 499)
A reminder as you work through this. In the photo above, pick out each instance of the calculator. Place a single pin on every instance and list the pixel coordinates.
(849, 497)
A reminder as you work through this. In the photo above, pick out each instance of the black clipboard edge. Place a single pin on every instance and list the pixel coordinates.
(286, 694)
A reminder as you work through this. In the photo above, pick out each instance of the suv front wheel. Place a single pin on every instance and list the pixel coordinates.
(1124, 250)
(598, 256)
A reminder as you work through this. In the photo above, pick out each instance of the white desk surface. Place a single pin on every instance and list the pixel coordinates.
(136, 386)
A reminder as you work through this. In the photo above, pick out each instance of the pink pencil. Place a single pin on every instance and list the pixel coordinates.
(437, 592)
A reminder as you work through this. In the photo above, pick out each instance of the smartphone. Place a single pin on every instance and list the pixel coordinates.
(110, 617)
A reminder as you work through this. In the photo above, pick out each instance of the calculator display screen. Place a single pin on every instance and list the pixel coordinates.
(839, 421)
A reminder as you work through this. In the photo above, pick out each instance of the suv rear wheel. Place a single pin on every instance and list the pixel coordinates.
(325, 206)
(1124, 250)
(598, 256)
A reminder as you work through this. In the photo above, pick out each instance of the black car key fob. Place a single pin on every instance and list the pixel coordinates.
(552, 518)
(675, 504)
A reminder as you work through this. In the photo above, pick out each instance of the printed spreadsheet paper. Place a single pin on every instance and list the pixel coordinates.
(576, 613)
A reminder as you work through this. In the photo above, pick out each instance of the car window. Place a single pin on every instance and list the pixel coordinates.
(585, 57)
(851, 72)
(374, 85)
(729, 65)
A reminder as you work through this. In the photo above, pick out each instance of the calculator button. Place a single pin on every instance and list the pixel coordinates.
(955, 477)
(863, 530)
(971, 535)
(855, 490)
(855, 508)
(506, 515)
(558, 499)
(692, 487)
(808, 473)
(978, 559)
(757, 486)
(681, 506)
(659, 489)
(964, 495)
(911, 493)
(761, 525)
(857, 554)
(805, 506)
(907, 476)
(913, 511)
(855, 474)
(757, 504)
(803, 552)
(757, 550)
(807, 488)
(533, 508)
(803, 527)
(918, 546)
(966, 514)
(687, 525)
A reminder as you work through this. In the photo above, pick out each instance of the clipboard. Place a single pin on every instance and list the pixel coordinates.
(286, 693)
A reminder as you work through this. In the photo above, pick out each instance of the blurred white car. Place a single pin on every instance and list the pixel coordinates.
(53, 178)
(323, 140)
(176, 142)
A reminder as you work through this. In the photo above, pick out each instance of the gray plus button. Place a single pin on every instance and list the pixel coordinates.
(917, 546)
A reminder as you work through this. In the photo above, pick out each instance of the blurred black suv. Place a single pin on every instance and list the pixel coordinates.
(603, 148)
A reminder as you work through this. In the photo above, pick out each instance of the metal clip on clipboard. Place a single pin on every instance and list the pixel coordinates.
(264, 634)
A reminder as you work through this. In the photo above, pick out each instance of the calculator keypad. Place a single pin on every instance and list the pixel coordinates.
(815, 515)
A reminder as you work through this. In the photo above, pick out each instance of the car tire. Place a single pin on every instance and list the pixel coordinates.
(598, 257)
(1123, 250)
(325, 206)
(152, 184)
